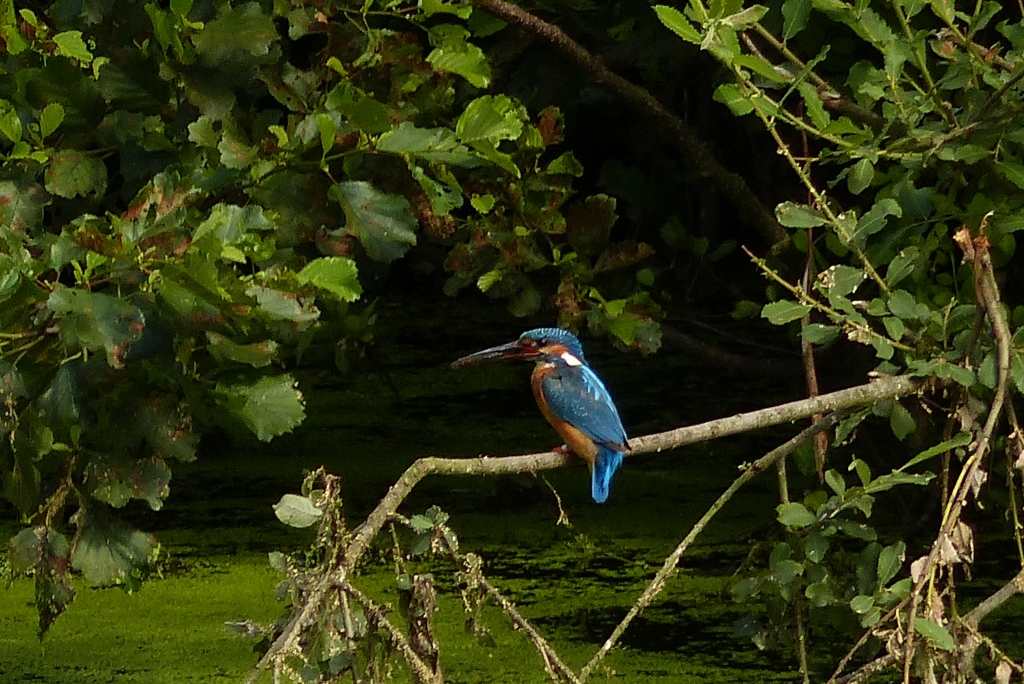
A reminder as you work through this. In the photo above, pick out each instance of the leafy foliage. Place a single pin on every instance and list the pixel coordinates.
(189, 193)
(908, 156)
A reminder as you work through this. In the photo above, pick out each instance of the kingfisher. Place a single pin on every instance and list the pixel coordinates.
(572, 398)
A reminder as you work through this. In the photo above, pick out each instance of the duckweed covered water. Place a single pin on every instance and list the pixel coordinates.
(574, 583)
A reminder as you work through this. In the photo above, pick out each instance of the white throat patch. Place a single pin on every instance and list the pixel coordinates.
(570, 359)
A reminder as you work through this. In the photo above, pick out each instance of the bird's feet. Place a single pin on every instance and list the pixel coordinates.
(565, 451)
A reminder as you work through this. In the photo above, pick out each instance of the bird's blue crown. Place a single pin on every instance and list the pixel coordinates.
(545, 336)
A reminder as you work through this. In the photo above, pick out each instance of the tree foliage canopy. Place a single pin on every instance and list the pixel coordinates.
(192, 194)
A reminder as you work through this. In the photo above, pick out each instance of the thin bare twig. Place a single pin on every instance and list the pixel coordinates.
(672, 562)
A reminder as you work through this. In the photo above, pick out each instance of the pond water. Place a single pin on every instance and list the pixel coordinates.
(574, 582)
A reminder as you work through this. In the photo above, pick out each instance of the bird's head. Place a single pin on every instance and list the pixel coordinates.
(539, 344)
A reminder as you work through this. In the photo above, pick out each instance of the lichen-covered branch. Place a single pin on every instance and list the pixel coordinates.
(861, 395)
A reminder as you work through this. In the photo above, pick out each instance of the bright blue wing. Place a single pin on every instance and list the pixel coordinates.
(576, 395)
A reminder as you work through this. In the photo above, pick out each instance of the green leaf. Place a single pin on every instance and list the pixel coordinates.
(676, 22)
(745, 589)
(890, 560)
(894, 327)
(855, 529)
(235, 152)
(22, 482)
(746, 17)
(949, 370)
(116, 482)
(432, 144)
(382, 222)
(231, 232)
(489, 279)
(1017, 371)
(431, 7)
(491, 118)
(815, 546)
(815, 108)
(70, 44)
(818, 333)
(421, 523)
(762, 67)
(328, 130)
(840, 281)
(71, 173)
(337, 275)
(835, 482)
(107, 551)
(819, 594)
(167, 427)
(21, 207)
(483, 203)
(10, 122)
(795, 515)
(862, 604)
(860, 176)
(895, 478)
(1012, 171)
(269, 407)
(240, 30)
(794, 14)
(50, 118)
(901, 266)
(44, 551)
(903, 304)
(732, 97)
(937, 635)
(363, 111)
(256, 354)
(283, 306)
(297, 511)
(875, 220)
(901, 421)
(202, 132)
(781, 312)
(793, 215)
(453, 53)
(444, 198)
(94, 320)
(786, 571)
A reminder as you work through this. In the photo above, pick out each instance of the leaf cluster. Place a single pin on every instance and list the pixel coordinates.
(190, 193)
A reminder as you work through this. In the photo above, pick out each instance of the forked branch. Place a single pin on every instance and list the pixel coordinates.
(834, 403)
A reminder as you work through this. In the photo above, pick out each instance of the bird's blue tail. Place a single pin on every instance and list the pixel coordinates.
(607, 462)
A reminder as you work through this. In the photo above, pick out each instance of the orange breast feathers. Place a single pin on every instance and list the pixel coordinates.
(580, 444)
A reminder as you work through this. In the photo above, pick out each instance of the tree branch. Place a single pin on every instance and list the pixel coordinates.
(890, 387)
(885, 388)
(671, 563)
(694, 151)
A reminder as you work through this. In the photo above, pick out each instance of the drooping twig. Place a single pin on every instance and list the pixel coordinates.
(556, 669)
(730, 184)
(672, 562)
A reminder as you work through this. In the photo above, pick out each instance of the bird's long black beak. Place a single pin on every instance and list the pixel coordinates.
(504, 352)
